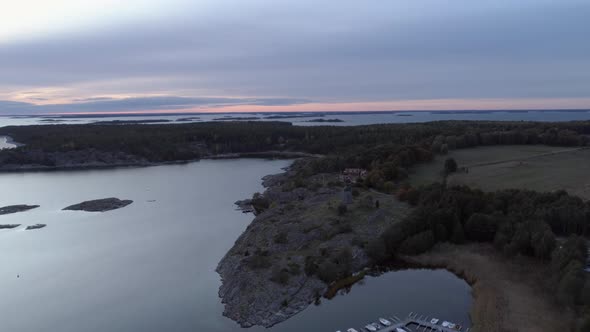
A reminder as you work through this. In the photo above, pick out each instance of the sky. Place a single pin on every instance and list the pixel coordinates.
(82, 56)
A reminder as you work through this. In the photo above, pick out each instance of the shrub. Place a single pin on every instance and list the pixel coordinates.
(259, 260)
(280, 275)
(294, 268)
(450, 166)
(280, 238)
(328, 272)
(311, 267)
(342, 209)
(417, 244)
(377, 250)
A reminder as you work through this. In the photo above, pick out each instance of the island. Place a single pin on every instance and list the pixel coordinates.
(8, 226)
(324, 120)
(99, 205)
(127, 122)
(294, 116)
(36, 226)
(190, 118)
(16, 208)
(237, 118)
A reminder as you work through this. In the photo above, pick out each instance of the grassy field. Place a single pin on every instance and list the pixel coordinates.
(540, 168)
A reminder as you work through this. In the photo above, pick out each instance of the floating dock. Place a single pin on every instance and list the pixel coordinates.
(413, 322)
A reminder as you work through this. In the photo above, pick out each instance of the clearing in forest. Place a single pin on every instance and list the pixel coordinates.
(535, 167)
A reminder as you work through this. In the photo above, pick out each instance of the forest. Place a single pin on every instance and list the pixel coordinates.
(166, 142)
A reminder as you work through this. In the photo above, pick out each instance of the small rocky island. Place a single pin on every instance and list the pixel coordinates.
(100, 205)
(36, 226)
(6, 226)
(324, 120)
(16, 208)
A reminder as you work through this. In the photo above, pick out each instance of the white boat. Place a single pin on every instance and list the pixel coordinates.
(370, 327)
(384, 321)
(351, 330)
(434, 321)
(397, 329)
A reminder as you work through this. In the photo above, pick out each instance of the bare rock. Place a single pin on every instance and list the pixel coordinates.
(100, 205)
(36, 226)
(16, 208)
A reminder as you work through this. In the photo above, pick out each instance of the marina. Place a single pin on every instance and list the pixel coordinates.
(413, 322)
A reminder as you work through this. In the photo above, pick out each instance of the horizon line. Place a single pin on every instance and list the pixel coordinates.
(176, 112)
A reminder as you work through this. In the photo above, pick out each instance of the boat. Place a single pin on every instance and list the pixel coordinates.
(434, 321)
(351, 330)
(397, 329)
(384, 321)
(370, 327)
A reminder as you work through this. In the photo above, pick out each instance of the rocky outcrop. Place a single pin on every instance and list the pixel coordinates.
(245, 206)
(100, 205)
(16, 208)
(36, 226)
(265, 275)
(5, 226)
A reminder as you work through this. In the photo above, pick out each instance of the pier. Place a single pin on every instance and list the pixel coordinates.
(414, 322)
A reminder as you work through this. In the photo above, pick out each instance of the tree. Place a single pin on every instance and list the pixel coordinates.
(450, 166)
(377, 250)
(418, 243)
(458, 235)
(481, 227)
(259, 202)
(342, 209)
(571, 284)
(542, 240)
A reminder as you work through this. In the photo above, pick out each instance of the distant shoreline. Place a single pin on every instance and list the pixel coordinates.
(310, 114)
(139, 164)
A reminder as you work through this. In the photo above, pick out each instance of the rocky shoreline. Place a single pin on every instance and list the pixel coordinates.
(266, 275)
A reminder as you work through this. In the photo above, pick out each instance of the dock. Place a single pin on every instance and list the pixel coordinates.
(414, 322)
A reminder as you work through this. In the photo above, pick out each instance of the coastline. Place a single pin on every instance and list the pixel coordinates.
(11, 168)
(267, 276)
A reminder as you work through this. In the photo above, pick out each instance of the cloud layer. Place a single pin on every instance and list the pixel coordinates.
(160, 103)
(292, 52)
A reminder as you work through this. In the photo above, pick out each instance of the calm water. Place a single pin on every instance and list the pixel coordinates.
(151, 266)
(349, 119)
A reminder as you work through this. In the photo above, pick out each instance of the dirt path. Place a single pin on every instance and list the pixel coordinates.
(508, 294)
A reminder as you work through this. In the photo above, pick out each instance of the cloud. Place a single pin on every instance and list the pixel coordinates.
(105, 104)
(341, 51)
